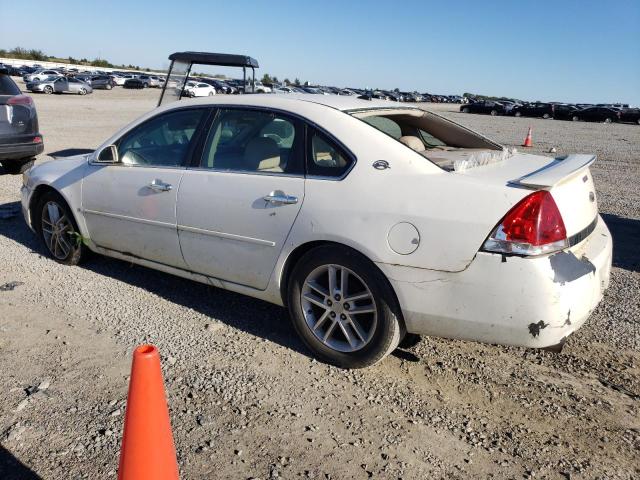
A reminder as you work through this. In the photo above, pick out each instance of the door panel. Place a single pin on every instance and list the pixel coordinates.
(226, 228)
(124, 212)
(235, 211)
(131, 206)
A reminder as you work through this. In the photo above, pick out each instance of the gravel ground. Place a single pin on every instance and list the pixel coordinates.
(247, 400)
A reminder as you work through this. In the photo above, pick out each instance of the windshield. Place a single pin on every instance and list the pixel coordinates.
(8, 86)
(177, 77)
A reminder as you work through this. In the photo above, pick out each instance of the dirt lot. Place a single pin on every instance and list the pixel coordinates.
(246, 399)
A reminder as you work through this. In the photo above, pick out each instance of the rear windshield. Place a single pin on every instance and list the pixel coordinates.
(8, 86)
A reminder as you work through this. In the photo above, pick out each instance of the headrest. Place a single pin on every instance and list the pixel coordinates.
(413, 143)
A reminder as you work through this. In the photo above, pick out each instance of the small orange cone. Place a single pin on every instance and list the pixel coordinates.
(528, 142)
(147, 443)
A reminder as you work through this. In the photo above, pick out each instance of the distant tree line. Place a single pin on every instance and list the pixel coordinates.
(39, 56)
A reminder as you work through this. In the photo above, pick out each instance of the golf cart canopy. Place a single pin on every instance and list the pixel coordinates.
(182, 63)
(221, 59)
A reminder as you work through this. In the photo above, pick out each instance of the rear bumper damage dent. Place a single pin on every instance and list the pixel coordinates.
(530, 302)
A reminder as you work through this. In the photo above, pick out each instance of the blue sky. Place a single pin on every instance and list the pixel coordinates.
(569, 50)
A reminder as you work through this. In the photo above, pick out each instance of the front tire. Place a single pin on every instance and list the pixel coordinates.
(83, 91)
(343, 308)
(608, 120)
(517, 114)
(465, 110)
(494, 113)
(575, 118)
(546, 116)
(58, 230)
(48, 90)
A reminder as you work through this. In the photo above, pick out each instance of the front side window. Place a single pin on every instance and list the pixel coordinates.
(163, 141)
(326, 159)
(253, 141)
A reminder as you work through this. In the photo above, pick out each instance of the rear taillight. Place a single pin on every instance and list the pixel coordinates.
(20, 100)
(533, 226)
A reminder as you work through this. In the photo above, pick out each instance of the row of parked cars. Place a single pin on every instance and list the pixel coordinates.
(607, 113)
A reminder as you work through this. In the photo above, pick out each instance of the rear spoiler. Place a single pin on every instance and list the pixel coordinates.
(560, 169)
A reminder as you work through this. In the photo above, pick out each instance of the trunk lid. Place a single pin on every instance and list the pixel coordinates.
(567, 178)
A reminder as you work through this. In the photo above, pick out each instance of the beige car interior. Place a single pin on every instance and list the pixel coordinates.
(262, 154)
(451, 142)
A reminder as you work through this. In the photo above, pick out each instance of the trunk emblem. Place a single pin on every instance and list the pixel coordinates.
(592, 197)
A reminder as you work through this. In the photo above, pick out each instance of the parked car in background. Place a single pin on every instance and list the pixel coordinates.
(536, 109)
(39, 75)
(117, 79)
(564, 111)
(199, 89)
(102, 81)
(134, 82)
(247, 201)
(20, 139)
(484, 106)
(58, 84)
(597, 114)
(631, 115)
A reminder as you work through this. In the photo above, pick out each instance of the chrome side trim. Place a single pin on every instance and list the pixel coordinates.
(130, 219)
(229, 236)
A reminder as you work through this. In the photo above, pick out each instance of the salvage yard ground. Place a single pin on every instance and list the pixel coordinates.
(247, 400)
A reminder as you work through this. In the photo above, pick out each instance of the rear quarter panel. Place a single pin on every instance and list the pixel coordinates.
(452, 214)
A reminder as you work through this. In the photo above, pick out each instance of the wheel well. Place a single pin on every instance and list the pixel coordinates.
(299, 251)
(35, 198)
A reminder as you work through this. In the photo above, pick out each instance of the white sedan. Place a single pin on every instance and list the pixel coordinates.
(198, 89)
(367, 220)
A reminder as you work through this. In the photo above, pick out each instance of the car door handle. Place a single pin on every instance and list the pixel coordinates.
(160, 186)
(280, 198)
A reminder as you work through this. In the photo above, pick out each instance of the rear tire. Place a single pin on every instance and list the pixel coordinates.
(58, 230)
(518, 114)
(16, 167)
(83, 91)
(328, 322)
(494, 113)
(465, 110)
(546, 116)
(575, 118)
(48, 90)
(109, 86)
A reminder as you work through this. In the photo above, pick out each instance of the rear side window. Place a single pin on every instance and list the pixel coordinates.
(385, 125)
(8, 86)
(326, 159)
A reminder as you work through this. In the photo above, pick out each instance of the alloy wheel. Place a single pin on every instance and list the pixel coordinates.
(57, 230)
(339, 308)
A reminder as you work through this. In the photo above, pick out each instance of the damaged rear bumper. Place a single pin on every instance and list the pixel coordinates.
(530, 302)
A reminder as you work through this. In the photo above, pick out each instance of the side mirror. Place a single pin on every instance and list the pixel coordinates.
(108, 154)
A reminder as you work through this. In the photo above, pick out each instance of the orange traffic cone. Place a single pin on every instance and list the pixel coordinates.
(528, 142)
(147, 442)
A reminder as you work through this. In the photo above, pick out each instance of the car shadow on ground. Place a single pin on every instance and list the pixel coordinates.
(626, 238)
(13, 469)
(253, 316)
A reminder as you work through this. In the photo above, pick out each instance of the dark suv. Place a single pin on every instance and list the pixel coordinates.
(20, 139)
